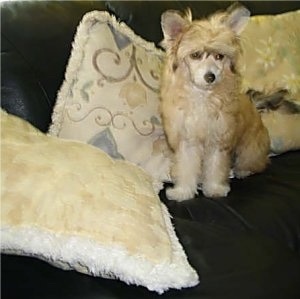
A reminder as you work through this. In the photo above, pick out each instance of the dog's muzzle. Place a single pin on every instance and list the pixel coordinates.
(209, 77)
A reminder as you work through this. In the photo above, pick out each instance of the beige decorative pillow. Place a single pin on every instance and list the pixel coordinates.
(271, 46)
(72, 205)
(110, 95)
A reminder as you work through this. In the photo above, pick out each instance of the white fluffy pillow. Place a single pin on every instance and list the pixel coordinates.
(72, 205)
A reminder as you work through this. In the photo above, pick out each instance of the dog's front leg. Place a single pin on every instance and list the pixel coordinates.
(215, 173)
(186, 171)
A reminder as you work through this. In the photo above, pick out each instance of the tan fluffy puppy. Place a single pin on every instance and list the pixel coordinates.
(210, 126)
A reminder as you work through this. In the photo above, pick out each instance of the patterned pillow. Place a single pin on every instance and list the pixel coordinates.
(271, 46)
(110, 95)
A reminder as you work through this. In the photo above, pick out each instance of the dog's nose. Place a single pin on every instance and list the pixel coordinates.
(209, 77)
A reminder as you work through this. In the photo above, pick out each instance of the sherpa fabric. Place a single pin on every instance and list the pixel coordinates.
(72, 205)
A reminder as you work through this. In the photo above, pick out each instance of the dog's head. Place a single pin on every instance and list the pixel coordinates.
(207, 48)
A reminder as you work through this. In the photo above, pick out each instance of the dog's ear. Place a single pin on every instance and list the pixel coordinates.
(238, 17)
(173, 23)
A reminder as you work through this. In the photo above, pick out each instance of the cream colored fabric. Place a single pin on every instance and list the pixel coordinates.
(72, 205)
(284, 131)
(110, 95)
(271, 46)
(271, 60)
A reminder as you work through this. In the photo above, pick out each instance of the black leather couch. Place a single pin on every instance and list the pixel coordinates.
(244, 246)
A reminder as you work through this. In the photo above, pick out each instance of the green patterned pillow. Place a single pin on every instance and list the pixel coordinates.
(271, 46)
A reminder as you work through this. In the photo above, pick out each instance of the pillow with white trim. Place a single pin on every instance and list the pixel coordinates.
(72, 205)
(110, 95)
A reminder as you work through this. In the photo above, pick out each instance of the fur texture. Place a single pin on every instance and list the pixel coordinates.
(209, 125)
(279, 101)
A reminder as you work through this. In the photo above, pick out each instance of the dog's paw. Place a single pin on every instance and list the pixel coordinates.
(215, 190)
(179, 193)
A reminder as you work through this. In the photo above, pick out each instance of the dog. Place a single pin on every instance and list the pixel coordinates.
(210, 126)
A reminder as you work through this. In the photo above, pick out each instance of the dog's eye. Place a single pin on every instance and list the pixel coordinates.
(219, 56)
(196, 55)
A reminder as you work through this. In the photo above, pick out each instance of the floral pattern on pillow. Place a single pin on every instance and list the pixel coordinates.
(271, 60)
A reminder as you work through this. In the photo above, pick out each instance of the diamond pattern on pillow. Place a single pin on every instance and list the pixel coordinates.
(110, 95)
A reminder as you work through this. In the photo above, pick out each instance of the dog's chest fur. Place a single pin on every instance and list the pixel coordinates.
(201, 116)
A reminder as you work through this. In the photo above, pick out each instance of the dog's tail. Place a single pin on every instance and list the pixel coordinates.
(279, 100)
